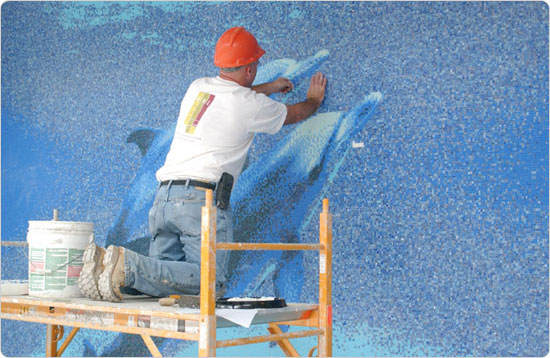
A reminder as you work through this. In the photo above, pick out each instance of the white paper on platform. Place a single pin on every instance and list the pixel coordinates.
(241, 317)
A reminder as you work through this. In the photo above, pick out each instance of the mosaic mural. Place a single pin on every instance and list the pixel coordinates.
(431, 144)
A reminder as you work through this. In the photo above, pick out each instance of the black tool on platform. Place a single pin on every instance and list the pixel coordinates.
(250, 302)
(190, 301)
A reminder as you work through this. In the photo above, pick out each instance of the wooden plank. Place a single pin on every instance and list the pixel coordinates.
(207, 323)
(269, 338)
(325, 282)
(309, 318)
(301, 323)
(102, 306)
(67, 340)
(15, 243)
(312, 321)
(285, 345)
(112, 328)
(265, 246)
(52, 337)
(151, 345)
(293, 312)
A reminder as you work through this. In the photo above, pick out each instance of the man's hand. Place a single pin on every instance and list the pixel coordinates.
(317, 87)
(315, 95)
(282, 85)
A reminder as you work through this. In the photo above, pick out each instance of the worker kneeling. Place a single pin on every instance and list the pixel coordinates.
(217, 122)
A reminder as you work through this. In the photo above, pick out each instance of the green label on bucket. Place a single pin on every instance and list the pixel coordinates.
(54, 268)
(75, 266)
(36, 269)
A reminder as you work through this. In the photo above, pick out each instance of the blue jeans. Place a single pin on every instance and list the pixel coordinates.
(173, 264)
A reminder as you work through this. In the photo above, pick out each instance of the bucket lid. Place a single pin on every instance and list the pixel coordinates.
(61, 225)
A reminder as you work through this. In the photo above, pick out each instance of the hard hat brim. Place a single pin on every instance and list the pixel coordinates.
(240, 62)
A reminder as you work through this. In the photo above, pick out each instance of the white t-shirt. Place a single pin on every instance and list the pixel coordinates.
(216, 126)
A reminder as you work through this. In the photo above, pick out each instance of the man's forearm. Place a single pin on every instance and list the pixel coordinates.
(300, 111)
(265, 88)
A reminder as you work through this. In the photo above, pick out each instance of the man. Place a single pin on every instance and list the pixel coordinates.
(216, 125)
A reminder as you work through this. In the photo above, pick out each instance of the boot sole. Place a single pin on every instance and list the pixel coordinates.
(88, 279)
(105, 279)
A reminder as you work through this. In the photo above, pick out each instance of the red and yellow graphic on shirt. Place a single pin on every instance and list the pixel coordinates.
(196, 112)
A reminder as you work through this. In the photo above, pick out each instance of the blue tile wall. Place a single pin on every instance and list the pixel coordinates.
(440, 217)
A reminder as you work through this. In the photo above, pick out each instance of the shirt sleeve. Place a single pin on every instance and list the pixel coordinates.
(270, 117)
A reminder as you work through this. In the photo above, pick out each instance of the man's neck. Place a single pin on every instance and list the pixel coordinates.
(235, 79)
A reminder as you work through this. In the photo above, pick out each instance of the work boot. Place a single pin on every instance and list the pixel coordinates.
(92, 267)
(112, 277)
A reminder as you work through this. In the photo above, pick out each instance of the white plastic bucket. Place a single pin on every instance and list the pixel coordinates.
(55, 256)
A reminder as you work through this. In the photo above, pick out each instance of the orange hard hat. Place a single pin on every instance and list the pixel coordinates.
(237, 47)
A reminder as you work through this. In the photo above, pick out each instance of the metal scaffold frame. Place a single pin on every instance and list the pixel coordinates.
(201, 327)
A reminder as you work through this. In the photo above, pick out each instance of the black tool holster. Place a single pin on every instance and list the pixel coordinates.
(223, 191)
